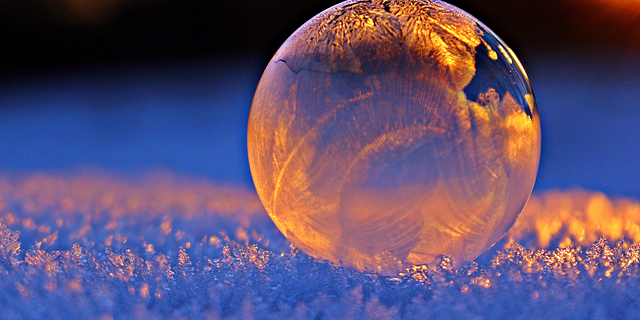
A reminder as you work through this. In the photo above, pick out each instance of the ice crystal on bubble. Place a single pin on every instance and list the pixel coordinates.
(385, 133)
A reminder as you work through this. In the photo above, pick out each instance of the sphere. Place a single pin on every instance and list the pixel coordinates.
(387, 133)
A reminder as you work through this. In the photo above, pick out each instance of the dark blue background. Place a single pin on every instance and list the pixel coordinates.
(132, 85)
(191, 118)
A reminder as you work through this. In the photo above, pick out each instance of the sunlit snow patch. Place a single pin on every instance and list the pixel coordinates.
(91, 246)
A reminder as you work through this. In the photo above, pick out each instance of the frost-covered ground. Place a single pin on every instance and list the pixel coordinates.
(161, 246)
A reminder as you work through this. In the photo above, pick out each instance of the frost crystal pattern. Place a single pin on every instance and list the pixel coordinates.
(386, 133)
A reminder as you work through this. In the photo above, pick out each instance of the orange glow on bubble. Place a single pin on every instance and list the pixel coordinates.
(382, 136)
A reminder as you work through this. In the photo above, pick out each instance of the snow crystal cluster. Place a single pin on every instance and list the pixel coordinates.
(89, 246)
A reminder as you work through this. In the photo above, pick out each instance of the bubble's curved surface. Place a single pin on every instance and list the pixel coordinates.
(386, 133)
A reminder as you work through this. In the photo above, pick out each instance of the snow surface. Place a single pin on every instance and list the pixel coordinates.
(160, 246)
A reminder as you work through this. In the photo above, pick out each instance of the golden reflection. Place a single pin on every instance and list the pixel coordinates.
(96, 195)
(555, 218)
(577, 218)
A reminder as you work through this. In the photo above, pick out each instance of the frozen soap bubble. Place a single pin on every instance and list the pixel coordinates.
(386, 133)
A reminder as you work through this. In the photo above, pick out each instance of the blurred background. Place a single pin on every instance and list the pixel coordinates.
(130, 86)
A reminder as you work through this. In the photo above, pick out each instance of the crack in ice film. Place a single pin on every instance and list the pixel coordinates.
(383, 134)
